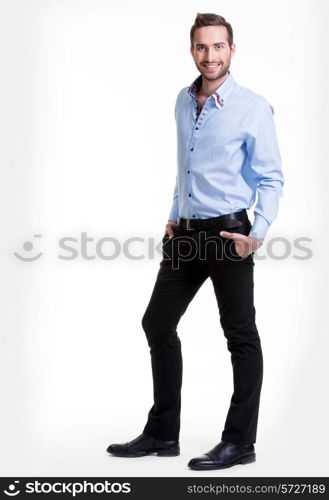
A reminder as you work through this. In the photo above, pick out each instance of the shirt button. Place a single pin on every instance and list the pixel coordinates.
(196, 128)
(190, 194)
(193, 215)
(191, 149)
(188, 171)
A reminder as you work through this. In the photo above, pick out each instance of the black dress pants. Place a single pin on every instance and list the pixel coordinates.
(189, 258)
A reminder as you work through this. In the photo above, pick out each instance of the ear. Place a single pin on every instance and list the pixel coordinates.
(191, 50)
(233, 49)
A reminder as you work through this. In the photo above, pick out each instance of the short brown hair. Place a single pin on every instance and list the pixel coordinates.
(208, 19)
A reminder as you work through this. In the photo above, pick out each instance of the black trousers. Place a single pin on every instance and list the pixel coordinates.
(189, 258)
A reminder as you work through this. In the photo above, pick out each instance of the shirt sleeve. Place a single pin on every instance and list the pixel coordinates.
(174, 212)
(264, 168)
(173, 215)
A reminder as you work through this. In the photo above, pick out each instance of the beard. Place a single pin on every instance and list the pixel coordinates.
(218, 74)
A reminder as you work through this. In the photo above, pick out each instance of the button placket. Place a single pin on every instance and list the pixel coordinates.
(198, 123)
(200, 118)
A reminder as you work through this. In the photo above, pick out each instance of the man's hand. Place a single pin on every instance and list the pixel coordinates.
(170, 227)
(244, 245)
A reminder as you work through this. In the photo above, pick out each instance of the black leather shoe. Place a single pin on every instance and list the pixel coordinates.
(224, 455)
(145, 445)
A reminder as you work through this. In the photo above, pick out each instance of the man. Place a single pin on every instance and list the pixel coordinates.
(227, 155)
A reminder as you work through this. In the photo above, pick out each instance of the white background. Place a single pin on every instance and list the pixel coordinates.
(88, 145)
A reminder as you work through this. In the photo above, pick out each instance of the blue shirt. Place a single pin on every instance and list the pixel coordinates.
(226, 156)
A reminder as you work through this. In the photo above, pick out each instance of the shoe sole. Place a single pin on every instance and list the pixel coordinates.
(160, 453)
(247, 459)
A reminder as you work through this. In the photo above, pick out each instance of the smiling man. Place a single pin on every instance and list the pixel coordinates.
(228, 161)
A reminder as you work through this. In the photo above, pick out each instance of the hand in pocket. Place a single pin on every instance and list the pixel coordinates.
(244, 245)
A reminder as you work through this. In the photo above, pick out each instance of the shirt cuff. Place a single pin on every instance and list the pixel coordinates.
(259, 228)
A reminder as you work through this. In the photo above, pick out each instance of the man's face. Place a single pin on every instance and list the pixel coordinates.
(211, 51)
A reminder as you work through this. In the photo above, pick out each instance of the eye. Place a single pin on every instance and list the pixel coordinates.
(219, 46)
(200, 47)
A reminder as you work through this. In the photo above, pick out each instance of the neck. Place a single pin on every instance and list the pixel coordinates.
(208, 87)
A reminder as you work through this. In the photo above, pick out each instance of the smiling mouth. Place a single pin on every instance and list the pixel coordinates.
(212, 67)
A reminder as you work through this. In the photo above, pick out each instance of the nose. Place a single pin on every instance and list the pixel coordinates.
(211, 55)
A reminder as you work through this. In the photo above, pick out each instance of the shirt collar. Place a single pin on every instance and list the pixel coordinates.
(219, 95)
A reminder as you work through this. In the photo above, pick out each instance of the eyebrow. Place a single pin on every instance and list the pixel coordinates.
(204, 45)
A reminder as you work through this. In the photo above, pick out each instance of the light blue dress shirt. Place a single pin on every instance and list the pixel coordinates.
(226, 156)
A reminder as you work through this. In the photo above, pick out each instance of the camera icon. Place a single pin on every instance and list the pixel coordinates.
(28, 246)
(12, 490)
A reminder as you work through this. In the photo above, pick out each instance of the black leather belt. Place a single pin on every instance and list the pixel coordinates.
(229, 221)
